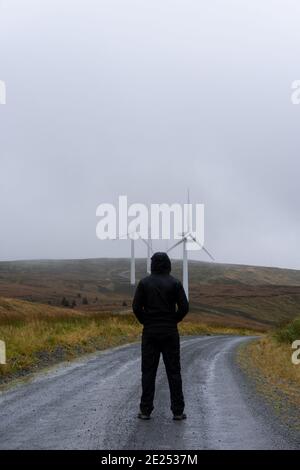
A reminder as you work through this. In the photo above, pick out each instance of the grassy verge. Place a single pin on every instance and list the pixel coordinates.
(268, 362)
(38, 335)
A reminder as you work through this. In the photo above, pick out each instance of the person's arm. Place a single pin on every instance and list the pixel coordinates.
(138, 303)
(182, 303)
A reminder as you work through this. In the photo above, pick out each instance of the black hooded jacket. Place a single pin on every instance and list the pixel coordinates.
(160, 301)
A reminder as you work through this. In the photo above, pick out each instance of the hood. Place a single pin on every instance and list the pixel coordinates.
(160, 263)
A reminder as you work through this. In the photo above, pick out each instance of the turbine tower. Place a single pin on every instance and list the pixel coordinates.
(132, 263)
(132, 254)
(185, 273)
(149, 251)
(187, 236)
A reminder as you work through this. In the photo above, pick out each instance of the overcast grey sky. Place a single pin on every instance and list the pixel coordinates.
(146, 98)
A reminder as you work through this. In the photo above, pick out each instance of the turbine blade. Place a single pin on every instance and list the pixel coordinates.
(176, 244)
(202, 246)
(208, 253)
(146, 243)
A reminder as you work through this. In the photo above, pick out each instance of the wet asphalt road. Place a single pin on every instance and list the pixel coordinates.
(92, 404)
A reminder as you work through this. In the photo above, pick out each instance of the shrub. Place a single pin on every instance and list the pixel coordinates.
(288, 333)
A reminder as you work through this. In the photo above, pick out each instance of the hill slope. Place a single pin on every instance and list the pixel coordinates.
(233, 295)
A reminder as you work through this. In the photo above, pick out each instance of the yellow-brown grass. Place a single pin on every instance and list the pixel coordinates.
(33, 332)
(38, 334)
(268, 361)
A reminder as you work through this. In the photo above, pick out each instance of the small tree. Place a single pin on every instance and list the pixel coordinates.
(85, 300)
(65, 302)
(73, 304)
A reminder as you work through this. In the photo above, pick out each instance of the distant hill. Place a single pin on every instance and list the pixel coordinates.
(233, 295)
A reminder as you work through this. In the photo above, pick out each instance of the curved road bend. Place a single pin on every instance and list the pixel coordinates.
(92, 403)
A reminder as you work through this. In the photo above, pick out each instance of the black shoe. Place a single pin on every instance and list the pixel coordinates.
(179, 417)
(143, 416)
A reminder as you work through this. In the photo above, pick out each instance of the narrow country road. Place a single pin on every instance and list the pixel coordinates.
(92, 403)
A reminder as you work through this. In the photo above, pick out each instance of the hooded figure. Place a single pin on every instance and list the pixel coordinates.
(160, 304)
(160, 263)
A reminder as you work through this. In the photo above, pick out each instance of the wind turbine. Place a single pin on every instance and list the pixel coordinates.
(187, 237)
(132, 253)
(148, 244)
(149, 250)
(132, 262)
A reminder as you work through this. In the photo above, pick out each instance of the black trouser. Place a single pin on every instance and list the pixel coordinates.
(152, 345)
